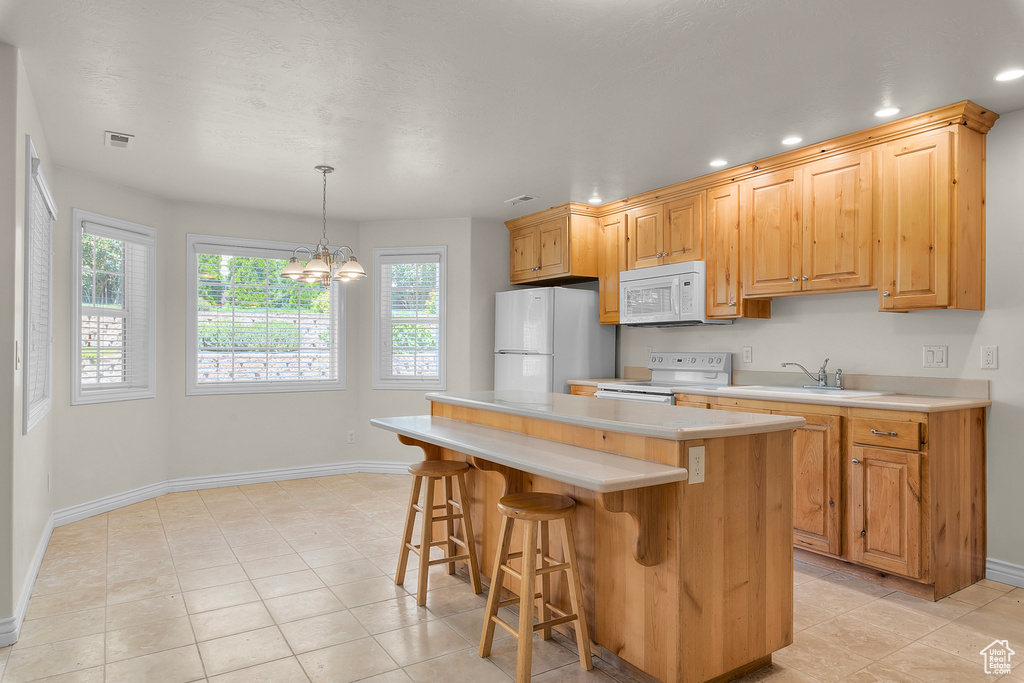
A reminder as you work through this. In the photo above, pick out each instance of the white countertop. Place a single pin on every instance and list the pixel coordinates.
(661, 421)
(590, 469)
(921, 404)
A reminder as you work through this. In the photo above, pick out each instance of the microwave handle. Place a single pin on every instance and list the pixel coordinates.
(676, 296)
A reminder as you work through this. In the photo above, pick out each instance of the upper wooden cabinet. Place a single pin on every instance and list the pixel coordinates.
(611, 259)
(723, 258)
(555, 245)
(808, 229)
(932, 233)
(666, 233)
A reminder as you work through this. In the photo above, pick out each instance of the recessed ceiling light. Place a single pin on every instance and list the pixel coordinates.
(888, 111)
(594, 200)
(718, 162)
(792, 140)
(1011, 75)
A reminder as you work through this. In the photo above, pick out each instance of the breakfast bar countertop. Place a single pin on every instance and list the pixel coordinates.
(660, 421)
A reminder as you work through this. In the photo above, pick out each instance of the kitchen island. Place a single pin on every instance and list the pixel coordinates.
(683, 522)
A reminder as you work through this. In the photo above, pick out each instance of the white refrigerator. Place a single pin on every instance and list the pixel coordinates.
(548, 335)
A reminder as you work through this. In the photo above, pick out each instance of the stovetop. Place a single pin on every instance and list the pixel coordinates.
(669, 370)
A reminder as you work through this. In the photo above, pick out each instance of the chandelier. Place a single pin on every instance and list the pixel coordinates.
(324, 265)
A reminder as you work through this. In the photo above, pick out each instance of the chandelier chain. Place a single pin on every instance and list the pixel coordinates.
(323, 240)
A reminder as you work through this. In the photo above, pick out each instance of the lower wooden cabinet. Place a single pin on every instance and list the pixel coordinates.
(582, 390)
(885, 509)
(817, 483)
(890, 496)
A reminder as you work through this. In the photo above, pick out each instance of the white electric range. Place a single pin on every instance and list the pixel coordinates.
(671, 371)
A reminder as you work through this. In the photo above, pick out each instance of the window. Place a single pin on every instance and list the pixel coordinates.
(408, 296)
(40, 210)
(253, 331)
(113, 325)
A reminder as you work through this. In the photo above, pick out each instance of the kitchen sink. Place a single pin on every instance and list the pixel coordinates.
(802, 391)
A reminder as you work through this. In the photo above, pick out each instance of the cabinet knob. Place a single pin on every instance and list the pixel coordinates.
(886, 293)
(855, 461)
(804, 278)
(732, 303)
(863, 533)
(794, 278)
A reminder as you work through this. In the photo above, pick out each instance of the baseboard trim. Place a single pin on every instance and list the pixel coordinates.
(10, 627)
(1004, 572)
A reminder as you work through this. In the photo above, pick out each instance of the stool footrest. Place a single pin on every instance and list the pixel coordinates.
(446, 560)
(555, 622)
(515, 601)
(501, 623)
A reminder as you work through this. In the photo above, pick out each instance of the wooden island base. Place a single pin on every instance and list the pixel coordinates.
(684, 581)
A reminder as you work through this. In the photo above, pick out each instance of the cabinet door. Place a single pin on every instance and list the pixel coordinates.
(771, 233)
(837, 223)
(885, 504)
(645, 237)
(611, 254)
(817, 484)
(684, 230)
(553, 247)
(723, 285)
(916, 192)
(524, 249)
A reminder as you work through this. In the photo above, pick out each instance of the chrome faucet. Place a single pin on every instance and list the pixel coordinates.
(822, 378)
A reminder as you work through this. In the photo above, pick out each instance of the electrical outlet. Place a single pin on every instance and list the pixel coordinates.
(934, 356)
(696, 473)
(748, 354)
(351, 436)
(989, 357)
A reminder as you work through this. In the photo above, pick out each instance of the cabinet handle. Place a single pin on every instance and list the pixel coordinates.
(885, 293)
(855, 461)
(804, 277)
(875, 431)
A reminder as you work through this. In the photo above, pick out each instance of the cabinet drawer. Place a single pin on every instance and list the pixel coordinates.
(888, 433)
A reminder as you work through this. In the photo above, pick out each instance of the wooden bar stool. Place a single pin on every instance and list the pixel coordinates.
(536, 510)
(449, 471)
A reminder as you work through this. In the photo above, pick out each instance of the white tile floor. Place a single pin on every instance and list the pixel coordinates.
(293, 581)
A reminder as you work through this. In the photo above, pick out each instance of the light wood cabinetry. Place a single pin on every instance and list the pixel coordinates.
(817, 483)
(899, 208)
(582, 390)
(556, 245)
(893, 497)
(808, 229)
(611, 260)
(672, 232)
(885, 509)
(932, 234)
(723, 258)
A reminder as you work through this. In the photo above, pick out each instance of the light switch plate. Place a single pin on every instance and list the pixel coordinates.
(934, 356)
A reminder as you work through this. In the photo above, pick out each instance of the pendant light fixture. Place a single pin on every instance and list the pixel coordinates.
(324, 265)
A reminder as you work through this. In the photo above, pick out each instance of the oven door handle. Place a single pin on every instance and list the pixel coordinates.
(632, 396)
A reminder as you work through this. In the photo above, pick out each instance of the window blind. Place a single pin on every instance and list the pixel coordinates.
(114, 319)
(409, 303)
(42, 211)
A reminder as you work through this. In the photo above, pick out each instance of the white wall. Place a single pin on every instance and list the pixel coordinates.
(849, 329)
(477, 266)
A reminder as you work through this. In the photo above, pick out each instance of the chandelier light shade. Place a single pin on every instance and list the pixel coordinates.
(325, 265)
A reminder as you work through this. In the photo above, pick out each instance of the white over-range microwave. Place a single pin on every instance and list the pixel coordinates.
(665, 296)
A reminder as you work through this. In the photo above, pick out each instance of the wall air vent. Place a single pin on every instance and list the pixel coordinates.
(520, 199)
(121, 140)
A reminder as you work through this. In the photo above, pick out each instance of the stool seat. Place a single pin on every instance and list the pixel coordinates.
(536, 507)
(436, 469)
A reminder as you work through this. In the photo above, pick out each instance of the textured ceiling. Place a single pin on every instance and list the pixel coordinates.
(436, 108)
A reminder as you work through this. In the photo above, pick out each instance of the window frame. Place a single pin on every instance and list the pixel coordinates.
(113, 228)
(35, 408)
(259, 249)
(393, 255)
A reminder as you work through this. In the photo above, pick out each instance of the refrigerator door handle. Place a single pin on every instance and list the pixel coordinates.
(527, 352)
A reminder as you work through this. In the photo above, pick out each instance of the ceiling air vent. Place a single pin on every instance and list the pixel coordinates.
(121, 140)
(520, 199)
